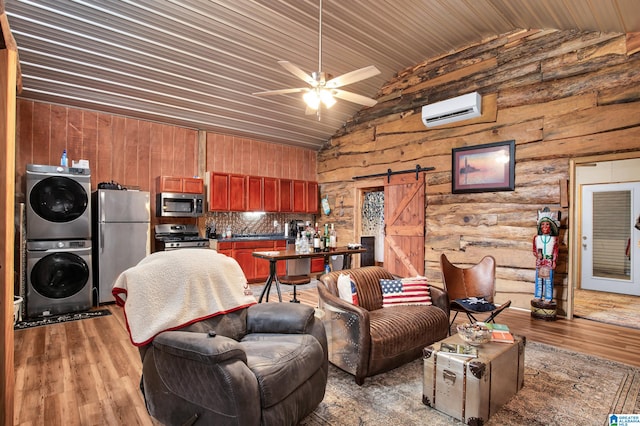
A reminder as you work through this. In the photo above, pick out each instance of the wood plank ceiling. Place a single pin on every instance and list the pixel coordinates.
(196, 63)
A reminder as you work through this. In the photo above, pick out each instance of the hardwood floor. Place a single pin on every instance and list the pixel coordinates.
(87, 372)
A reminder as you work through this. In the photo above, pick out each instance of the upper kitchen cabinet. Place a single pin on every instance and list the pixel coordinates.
(286, 195)
(312, 197)
(232, 192)
(218, 191)
(237, 193)
(188, 185)
(271, 194)
(299, 196)
(255, 193)
(193, 185)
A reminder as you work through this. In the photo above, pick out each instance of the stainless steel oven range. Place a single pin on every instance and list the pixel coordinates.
(178, 236)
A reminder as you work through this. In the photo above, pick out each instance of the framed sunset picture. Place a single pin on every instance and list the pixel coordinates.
(483, 168)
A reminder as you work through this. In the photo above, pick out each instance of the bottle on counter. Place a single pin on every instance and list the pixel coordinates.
(64, 161)
(316, 239)
(325, 238)
(298, 242)
(333, 239)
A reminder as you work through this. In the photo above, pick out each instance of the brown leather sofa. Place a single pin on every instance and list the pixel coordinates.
(368, 339)
(262, 365)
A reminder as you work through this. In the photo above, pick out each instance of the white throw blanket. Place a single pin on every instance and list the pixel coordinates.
(168, 290)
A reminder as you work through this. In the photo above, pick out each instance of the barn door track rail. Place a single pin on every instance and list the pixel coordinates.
(390, 173)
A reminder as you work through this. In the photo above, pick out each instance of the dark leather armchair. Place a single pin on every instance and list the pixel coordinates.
(262, 365)
(368, 339)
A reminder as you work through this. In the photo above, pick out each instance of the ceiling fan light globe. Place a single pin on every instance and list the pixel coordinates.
(327, 98)
(312, 99)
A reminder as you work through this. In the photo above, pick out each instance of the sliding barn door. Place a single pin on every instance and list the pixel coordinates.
(404, 203)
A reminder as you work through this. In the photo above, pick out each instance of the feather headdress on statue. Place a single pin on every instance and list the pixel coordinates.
(553, 218)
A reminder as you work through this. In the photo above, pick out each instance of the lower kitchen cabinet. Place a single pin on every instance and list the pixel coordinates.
(317, 264)
(255, 270)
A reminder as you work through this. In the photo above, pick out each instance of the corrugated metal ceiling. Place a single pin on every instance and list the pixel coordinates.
(196, 63)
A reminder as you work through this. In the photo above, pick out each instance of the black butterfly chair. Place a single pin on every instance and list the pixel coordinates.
(471, 290)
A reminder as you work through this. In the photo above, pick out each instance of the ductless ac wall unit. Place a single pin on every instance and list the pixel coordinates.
(451, 110)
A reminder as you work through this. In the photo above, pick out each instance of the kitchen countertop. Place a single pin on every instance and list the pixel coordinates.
(253, 237)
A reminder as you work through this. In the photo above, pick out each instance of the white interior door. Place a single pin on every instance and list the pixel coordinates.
(610, 242)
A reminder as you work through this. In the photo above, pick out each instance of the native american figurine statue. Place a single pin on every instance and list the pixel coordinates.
(545, 249)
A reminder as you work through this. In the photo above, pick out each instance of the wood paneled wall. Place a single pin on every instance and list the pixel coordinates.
(135, 152)
(129, 151)
(558, 94)
(232, 154)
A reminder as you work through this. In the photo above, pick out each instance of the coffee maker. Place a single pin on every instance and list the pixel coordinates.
(295, 227)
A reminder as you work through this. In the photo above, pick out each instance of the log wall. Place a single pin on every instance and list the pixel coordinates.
(559, 94)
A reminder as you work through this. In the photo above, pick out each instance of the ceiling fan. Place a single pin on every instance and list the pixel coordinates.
(322, 88)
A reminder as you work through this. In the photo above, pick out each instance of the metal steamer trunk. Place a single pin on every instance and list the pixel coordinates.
(472, 389)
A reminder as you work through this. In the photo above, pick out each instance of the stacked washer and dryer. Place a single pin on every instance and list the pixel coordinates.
(59, 275)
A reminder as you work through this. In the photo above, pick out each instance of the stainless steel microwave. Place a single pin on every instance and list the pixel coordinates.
(176, 204)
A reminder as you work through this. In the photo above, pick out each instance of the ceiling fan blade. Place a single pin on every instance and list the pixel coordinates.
(353, 97)
(298, 72)
(281, 91)
(352, 77)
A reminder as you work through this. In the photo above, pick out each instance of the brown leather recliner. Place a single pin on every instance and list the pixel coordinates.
(368, 339)
(262, 365)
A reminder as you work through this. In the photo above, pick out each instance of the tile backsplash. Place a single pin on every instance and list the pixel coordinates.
(253, 223)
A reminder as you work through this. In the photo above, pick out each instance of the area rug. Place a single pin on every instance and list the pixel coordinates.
(58, 319)
(560, 388)
(609, 308)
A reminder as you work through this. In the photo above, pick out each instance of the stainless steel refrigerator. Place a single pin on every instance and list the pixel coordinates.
(121, 235)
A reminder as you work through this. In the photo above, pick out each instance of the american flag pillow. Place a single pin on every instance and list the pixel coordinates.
(405, 291)
(347, 289)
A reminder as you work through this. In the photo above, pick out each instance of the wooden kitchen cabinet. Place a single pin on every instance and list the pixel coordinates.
(255, 270)
(312, 197)
(234, 192)
(299, 196)
(255, 194)
(218, 191)
(247, 262)
(192, 185)
(225, 248)
(188, 185)
(317, 264)
(271, 194)
(281, 266)
(237, 193)
(286, 195)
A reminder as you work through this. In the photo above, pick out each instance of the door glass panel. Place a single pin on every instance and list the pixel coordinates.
(60, 275)
(59, 199)
(611, 234)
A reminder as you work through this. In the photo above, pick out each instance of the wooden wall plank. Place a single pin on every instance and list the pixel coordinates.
(119, 135)
(101, 166)
(129, 156)
(89, 138)
(42, 135)
(24, 134)
(167, 156)
(145, 179)
(60, 131)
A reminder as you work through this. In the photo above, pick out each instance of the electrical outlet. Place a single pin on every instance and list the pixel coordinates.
(275, 223)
